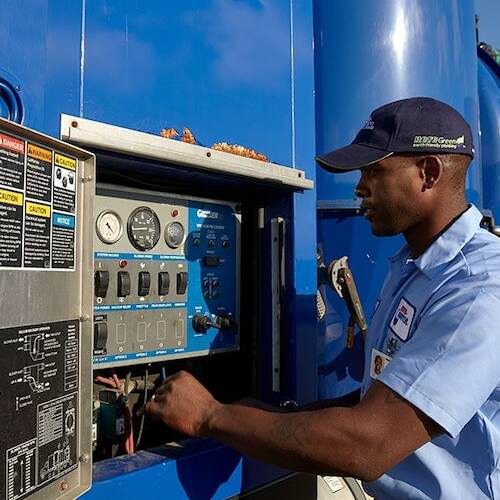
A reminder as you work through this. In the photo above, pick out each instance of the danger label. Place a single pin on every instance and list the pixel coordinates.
(11, 162)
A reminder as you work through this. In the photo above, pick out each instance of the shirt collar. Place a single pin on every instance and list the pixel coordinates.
(445, 248)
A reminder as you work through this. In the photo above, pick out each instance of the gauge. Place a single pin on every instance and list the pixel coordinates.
(109, 227)
(143, 228)
(174, 234)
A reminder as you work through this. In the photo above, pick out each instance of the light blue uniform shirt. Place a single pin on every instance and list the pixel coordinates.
(438, 318)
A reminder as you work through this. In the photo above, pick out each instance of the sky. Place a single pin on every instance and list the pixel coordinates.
(489, 21)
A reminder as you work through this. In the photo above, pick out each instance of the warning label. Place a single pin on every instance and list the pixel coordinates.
(37, 235)
(11, 228)
(39, 367)
(39, 173)
(11, 162)
(37, 206)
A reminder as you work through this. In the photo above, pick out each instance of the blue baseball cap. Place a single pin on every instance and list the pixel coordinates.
(416, 125)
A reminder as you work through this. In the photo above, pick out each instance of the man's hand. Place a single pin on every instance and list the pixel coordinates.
(183, 404)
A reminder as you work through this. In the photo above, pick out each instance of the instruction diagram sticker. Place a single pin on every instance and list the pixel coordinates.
(40, 367)
(38, 200)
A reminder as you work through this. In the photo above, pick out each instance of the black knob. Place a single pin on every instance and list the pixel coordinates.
(201, 323)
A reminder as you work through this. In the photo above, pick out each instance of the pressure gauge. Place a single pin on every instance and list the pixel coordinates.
(109, 227)
(174, 234)
(143, 228)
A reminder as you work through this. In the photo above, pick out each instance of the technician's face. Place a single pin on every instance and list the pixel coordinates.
(390, 190)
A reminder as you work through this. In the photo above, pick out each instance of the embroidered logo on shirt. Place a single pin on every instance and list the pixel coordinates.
(402, 319)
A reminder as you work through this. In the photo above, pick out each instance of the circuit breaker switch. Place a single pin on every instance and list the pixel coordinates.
(123, 284)
(163, 283)
(182, 283)
(101, 283)
(100, 335)
(144, 283)
(201, 323)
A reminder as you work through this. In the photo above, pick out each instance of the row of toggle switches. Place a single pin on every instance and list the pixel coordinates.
(101, 283)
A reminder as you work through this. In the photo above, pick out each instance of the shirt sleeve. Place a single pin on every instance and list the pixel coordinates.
(450, 366)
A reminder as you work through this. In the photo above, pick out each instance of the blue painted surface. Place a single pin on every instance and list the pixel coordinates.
(201, 470)
(40, 54)
(489, 100)
(368, 54)
(371, 53)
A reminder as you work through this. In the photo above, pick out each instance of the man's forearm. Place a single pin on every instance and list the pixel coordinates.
(324, 441)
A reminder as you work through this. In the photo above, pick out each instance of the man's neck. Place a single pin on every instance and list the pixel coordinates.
(424, 233)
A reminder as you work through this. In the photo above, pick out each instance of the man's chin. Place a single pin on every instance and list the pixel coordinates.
(383, 231)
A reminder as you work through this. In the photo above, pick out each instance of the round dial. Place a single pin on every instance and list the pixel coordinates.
(174, 234)
(109, 227)
(143, 228)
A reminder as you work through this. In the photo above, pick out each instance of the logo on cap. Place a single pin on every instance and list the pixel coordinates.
(369, 125)
(434, 141)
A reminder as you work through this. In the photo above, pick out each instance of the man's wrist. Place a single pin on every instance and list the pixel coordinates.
(213, 414)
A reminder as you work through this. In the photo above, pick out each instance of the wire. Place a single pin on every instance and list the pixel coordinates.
(141, 428)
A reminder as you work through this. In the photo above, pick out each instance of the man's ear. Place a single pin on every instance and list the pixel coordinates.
(431, 171)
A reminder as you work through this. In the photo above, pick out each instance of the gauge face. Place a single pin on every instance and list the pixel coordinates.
(109, 227)
(143, 228)
(174, 234)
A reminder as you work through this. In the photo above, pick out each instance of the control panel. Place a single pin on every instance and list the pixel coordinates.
(166, 280)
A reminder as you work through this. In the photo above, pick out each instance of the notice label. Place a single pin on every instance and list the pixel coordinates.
(11, 162)
(39, 173)
(38, 198)
(63, 241)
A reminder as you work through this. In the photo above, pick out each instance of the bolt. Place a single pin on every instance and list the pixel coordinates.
(87, 179)
(63, 485)
(18, 88)
(84, 458)
(209, 154)
(74, 124)
(84, 317)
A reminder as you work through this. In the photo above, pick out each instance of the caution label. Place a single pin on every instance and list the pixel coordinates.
(39, 173)
(65, 161)
(64, 188)
(37, 236)
(37, 209)
(11, 228)
(11, 197)
(11, 162)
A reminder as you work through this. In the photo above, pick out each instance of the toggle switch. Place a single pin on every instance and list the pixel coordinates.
(163, 283)
(123, 284)
(182, 283)
(100, 335)
(101, 283)
(144, 283)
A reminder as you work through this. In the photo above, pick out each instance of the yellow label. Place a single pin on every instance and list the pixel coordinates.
(64, 161)
(40, 153)
(11, 197)
(36, 209)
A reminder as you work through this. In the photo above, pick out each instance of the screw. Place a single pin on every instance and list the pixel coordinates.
(18, 88)
(74, 124)
(209, 154)
(87, 179)
(84, 458)
(84, 317)
(63, 485)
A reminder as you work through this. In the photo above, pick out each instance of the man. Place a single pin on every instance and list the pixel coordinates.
(429, 425)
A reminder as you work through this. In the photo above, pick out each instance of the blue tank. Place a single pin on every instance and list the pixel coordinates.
(489, 102)
(368, 54)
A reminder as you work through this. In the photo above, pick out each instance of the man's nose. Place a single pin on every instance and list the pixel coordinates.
(361, 190)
